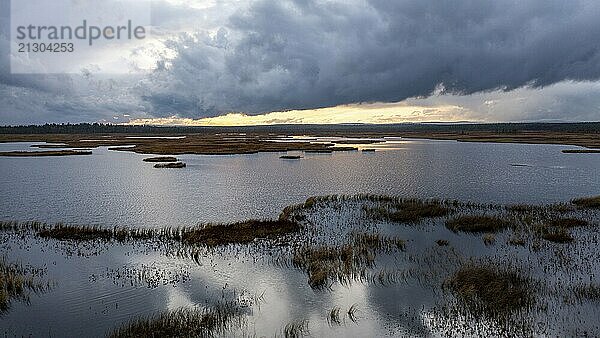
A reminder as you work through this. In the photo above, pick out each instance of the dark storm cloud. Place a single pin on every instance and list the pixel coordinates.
(269, 55)
(306, 54)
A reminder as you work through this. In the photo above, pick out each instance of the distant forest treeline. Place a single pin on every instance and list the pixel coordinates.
(99, 128)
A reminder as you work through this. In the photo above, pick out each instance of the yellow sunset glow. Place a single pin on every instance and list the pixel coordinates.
(375, 113)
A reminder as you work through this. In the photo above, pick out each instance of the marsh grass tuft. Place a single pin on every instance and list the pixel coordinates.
(408, 211)
(491, 290)
(240, 232)
(17, 283)
(587, 292)
(76, 233)
(476, 224)
(442, 242)
(353, 313)
(207, 234)
(296, 329)
(517, 239)
(489, 239)
(183, 322)
(587, 202)
(558, 236)
(170, 165)
(345, 262)
(334, 316)
(567, 223)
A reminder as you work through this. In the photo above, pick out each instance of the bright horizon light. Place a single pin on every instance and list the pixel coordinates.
(368, 113)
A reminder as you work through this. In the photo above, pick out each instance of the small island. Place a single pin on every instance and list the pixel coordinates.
(581, 151)
(161, 159)
(44, 153)
(170, 165)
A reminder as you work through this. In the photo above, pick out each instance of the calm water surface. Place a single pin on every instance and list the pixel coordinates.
(94, 293)
(116, 188)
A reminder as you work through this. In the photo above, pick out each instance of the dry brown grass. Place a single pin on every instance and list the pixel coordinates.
(206, 234)
(183, 322)
(344, 263)
(408, 211)
(44, 153)
(174, 165)
(161, 159)
(442, 242)
(76, 233)
(17, 283)
(240, 232)
(476, 224)
(491, 290)
(206, 143)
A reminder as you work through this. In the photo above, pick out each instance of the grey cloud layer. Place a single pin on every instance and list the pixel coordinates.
(290, 54)
(306, 54)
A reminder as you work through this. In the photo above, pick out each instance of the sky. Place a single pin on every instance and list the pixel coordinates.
(235, 62)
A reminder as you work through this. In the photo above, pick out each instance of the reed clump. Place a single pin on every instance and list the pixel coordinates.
(76, 233)
(17, 283)
(491, 290)
(408, 211)
(476, 224)
(587, 202)
(65, 232)
(567, 223)
(587, 291)
(296, 329)
(182, 322)
(489, 239)
(442, 242)
(209, 234)
(334, 316)
(170, 165)
(345, 262)
(558, 236)
(238, 233)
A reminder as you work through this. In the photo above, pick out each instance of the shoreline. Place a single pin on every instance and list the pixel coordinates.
(235, 143)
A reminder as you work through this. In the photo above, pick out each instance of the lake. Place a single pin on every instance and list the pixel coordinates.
(111, 188)
(98, 287)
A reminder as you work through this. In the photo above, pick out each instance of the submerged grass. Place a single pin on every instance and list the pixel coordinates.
(17, 283)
